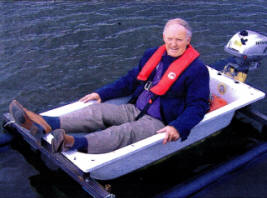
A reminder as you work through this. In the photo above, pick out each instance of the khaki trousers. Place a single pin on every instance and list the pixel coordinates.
(110, 126)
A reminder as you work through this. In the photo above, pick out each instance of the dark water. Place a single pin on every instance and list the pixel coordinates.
(52, 53)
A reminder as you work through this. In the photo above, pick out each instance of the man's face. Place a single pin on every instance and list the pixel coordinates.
(175, 39)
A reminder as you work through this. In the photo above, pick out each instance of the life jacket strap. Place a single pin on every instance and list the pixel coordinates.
(145, 109)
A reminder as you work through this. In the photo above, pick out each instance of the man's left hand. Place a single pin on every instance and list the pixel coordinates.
(171, 134)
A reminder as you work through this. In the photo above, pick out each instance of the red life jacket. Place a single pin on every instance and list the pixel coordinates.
(173, 71)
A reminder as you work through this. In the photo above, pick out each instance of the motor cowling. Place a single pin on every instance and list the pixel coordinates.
(247, 49)
(248, 45)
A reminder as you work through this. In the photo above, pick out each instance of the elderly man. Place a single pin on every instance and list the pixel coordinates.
(170, 89)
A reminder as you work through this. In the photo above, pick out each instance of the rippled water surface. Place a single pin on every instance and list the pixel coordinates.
(52, 53)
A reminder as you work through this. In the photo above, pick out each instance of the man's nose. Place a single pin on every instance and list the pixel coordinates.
(173, 43)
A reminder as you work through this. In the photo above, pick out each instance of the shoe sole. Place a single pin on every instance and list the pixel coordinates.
(57, 143)
(21, 118)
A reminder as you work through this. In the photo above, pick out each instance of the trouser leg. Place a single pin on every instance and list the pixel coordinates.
(116, 137)
(97, 116)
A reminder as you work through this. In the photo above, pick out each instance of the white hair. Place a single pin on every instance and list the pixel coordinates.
(179, 21)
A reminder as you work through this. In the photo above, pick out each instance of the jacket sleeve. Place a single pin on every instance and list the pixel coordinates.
(196, 102)
(127, 84)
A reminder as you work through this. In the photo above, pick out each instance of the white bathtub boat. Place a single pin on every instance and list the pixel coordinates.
(127, 159)
(248, 48)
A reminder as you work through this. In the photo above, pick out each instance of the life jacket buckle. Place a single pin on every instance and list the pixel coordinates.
(148, 85)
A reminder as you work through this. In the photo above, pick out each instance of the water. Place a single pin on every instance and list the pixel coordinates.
(53, 53)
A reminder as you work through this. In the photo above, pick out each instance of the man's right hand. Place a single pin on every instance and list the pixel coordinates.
(91, 96)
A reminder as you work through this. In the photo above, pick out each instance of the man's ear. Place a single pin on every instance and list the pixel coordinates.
(188, 40)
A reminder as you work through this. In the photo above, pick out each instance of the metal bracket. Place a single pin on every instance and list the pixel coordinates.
(148, 85)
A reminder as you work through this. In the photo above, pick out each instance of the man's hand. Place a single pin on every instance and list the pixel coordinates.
(171, 134)
(89, 97)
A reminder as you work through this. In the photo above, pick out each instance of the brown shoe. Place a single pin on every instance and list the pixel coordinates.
(58, 142)
(29, 120)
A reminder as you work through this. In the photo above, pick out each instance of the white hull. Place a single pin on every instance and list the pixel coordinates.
(122, 161)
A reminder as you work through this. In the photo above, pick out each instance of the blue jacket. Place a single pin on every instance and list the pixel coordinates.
(186, 102)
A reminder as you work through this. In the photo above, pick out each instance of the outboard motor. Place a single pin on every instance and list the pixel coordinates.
(248, 49)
